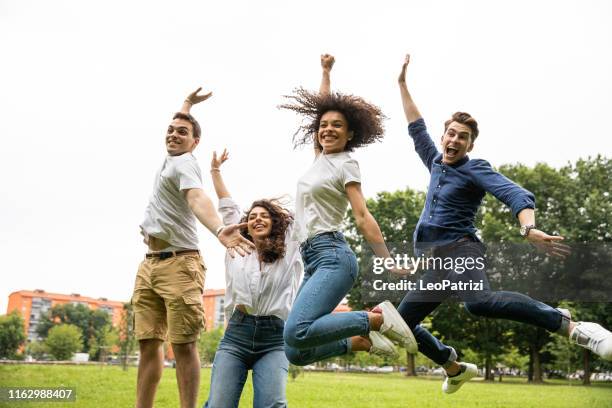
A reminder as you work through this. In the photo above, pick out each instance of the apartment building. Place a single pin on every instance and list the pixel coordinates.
(32, 305)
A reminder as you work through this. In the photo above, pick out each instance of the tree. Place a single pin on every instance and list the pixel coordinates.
(37, 349)
(126, 339)
(12, 335)
(64, 340)
(208, 344)
(92, 323)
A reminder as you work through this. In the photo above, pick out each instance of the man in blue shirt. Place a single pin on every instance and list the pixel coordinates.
(446, 230)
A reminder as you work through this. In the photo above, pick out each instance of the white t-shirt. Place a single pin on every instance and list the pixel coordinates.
(168, 215)
(321, 200)
(266, 290)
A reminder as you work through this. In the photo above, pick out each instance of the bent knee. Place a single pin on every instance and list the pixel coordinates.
(478, 308)
(295, 337)
(295, 356)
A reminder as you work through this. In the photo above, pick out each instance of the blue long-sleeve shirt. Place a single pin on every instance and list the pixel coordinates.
(456, 191)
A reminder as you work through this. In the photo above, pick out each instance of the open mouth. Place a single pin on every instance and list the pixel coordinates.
(329, 138)
(451, 152)
(259, 227)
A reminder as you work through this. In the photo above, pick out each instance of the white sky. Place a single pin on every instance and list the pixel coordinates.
(87, 90)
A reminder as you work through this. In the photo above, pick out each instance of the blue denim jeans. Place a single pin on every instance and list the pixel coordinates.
(313, 332)
(487, 303)
(250, 343)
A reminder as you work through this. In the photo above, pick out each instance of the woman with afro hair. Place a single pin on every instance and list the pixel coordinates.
(260, 290)
(336, 124)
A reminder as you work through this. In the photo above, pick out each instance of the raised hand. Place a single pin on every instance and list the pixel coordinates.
(216, 162)
(402, 75)
(193, 98)
(327, 62)
(549, 244)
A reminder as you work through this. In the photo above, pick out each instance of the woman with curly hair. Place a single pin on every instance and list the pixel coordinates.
(336, 124)
(260, 290)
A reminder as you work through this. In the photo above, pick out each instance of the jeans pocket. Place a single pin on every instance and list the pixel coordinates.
(349, 261)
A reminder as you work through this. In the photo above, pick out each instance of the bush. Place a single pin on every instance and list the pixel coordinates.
(12, 335)
(63, 341)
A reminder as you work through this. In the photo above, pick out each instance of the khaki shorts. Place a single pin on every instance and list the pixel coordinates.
(167, 299)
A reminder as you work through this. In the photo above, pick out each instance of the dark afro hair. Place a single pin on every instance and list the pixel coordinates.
(364, 118)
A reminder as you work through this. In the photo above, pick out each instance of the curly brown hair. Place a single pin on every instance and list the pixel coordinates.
(273, 246)
(364, 118)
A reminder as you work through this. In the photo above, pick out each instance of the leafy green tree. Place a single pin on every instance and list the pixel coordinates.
(575, 202)
(37, 349)
(92, 323)
(126, 339)
(99, 346)
(208, 344)
(64, 340)
(12, 335)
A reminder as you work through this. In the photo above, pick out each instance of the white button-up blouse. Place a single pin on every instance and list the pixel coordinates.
(266, 291)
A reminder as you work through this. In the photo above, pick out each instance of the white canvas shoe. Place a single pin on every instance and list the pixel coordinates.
(395, 328)
(452, 384)
(594, 337)
(382, 346)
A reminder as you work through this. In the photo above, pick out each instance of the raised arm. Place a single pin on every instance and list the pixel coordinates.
(215, 172)
(367, 225)
(193, 99)
(410, 109)
(327, 62)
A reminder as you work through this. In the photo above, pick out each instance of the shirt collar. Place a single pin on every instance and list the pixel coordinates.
(464, 159)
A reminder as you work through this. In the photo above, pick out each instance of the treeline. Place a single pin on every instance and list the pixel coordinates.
(573, 201)
(67, 329)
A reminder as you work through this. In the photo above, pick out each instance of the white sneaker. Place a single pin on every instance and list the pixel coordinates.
(382, 346)
(452, 384)
(395, 328)
(594, 337)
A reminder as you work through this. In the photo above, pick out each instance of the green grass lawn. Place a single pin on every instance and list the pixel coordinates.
(109, 386)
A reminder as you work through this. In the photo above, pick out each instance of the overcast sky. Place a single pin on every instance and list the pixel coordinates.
(87, 90)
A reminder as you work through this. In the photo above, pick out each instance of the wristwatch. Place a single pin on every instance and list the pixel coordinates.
(524, 231)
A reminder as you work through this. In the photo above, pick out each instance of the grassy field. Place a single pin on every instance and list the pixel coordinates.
(109, 386)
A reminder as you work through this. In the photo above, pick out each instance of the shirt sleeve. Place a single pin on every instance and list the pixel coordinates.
(230, 211)
(350, 172)
(423, 144)
(504, 189)
(189, 176)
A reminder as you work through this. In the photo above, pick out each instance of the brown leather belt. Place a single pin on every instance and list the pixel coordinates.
(170, 254)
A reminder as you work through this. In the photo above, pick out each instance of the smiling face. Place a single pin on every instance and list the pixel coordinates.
(333, 132)
(456, 142)
(179, 137)
(259, 223)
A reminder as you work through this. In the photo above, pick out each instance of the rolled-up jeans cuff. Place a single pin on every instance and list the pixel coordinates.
(451, 358)
(563, 329)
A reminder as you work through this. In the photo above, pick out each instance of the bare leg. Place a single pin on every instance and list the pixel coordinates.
(149, 372)
(187, 373)
(453, 368)
(360, 343)
(376, 320)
